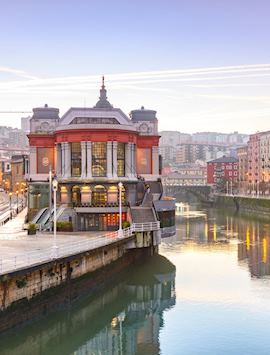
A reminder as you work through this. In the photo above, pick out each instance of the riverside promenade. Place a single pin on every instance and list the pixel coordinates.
(20, 250)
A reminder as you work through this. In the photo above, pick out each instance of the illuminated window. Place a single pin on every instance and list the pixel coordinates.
(76, 159)
(99, 158)
(99, 195)
(121, 159)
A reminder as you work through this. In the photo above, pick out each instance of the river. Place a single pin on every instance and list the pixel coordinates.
(208, 292)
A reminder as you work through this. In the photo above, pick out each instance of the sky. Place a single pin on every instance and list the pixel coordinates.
(203, 65)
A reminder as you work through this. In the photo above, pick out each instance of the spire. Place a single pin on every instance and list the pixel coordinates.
(103, 102)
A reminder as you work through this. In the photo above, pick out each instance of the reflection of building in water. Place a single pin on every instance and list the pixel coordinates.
(126, 319)
(207, 227)
(255, 248)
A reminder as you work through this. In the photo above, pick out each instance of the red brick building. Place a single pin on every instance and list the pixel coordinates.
(222, 170)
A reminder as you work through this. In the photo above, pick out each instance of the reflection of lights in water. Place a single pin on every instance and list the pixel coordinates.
(187, 229)
(183, 210)
(114, 322)
(264, 258)
(248, 238)
(215, 232)
(206, 230)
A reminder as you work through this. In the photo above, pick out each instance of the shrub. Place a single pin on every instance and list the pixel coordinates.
(21, 283)
(125, 224)
(64, 226)
(32, 227)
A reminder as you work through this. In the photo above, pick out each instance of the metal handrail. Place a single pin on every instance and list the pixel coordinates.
(21, 261)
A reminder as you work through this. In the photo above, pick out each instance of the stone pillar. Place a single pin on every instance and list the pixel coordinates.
(114, 159)
(62, 159)
(128, 160)
(67, 171)
(83, 160)
(133, 162)
(155, 161)
(69, 197)
(109, 160)
(58, 160)
(33, 160)
(88, 160)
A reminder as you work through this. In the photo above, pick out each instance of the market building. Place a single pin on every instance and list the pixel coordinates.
(90, 150)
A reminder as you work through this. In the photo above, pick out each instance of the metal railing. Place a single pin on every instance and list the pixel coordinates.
(25, 260)
(145, 227)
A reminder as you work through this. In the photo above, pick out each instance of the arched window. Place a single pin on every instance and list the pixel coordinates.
(99, 195)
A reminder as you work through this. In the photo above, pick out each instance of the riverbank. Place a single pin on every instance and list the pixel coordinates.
(33, 292)
(252, 206)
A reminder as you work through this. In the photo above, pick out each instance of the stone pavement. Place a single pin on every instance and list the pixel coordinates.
(15, 241)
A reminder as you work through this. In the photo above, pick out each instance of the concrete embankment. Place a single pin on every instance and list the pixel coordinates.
(37, 290)
(248, 205)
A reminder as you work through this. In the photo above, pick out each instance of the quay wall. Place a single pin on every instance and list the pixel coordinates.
(257, 206)
(38, 290)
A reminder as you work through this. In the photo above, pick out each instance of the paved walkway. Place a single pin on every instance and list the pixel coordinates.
(18, 249)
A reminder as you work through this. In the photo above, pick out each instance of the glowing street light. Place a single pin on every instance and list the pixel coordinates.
(10, 208)
(17, 209)
(55, 247)
(120, 230)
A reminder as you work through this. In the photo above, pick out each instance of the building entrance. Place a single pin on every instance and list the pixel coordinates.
(99, 221)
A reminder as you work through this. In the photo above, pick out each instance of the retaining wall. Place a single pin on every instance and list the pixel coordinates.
(35, 291)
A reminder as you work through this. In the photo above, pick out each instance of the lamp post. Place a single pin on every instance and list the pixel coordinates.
(231, 182)
(10, 208)
(17, 194)
(120, 230)
(22, 197)
(55, 247)
(227, 187)
(50, 198)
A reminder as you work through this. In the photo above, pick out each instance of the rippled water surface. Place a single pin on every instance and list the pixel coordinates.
(208, 292)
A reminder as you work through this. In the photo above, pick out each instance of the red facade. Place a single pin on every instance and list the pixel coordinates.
(222, 170)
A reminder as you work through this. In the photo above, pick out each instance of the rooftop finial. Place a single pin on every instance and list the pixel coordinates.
(103, 102)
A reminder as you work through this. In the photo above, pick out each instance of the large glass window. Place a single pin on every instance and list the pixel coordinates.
(76, 159)
(99, 158)
(121, 159)
(99, 195)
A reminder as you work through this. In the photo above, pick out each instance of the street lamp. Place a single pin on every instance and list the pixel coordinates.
(120, 230)
(227, 187)
(55, 247)
(10, 209)
(50, 198)
(17, 209)
(22, 197)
